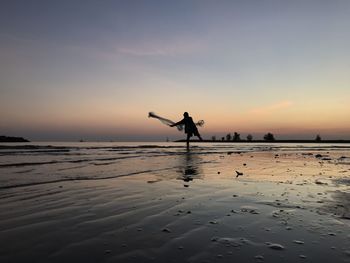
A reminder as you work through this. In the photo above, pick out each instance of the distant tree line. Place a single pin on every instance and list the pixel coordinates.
(269, 137)
(235, 137)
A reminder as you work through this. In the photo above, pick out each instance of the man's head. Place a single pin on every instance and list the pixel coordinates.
(186, 114)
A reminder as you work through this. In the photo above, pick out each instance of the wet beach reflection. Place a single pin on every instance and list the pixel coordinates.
(190, 167)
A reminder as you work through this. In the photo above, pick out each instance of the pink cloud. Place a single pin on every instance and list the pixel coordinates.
(170, 47)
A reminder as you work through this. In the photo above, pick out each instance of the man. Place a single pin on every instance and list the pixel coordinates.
(190, 128)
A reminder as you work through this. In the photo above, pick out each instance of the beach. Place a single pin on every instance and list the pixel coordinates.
(157, 202)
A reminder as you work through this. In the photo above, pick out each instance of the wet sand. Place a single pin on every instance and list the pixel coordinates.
(284, 207)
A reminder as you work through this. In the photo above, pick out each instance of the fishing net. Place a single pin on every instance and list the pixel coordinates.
(200, 123)
(164, 120)
(170, 122)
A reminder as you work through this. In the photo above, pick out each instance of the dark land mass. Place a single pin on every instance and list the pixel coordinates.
(275, 141)
(12, 139)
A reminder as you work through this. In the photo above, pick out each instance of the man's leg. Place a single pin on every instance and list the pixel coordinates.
(188, 141)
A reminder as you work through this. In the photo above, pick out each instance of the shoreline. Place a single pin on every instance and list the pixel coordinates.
(264, 141)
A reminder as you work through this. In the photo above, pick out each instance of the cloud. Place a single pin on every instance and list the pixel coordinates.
(147, 51)
(172, 47)
(268, 109)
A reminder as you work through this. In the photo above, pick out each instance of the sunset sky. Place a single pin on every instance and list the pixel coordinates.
(94, 69)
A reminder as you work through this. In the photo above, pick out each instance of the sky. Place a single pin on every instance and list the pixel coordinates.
(92, 70)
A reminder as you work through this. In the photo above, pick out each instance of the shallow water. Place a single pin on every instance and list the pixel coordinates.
(142, 202)
(37, 163)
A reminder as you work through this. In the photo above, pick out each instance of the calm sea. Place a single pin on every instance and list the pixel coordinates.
(45, 162)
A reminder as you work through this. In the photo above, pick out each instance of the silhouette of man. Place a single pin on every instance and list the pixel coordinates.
(190, 128)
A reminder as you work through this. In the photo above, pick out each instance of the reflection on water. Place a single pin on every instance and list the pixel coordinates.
(190, 167)
(37, 163)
